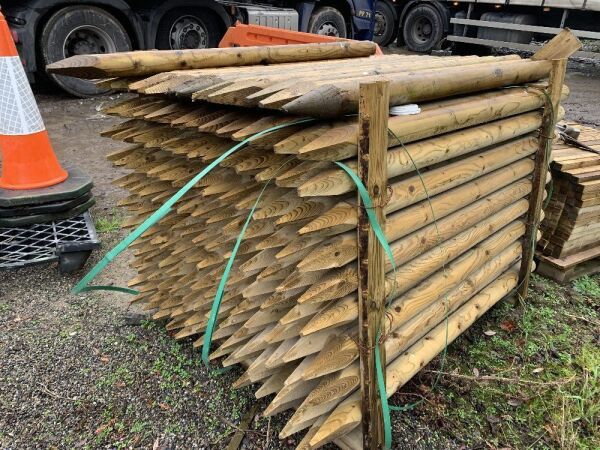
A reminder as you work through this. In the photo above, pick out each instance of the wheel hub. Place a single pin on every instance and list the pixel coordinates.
(380, 24)
(422, 30)
(86, 40)
(188, 32)
(328, 29)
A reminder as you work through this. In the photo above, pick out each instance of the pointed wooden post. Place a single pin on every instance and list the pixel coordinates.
(542, 156)
(558, 50)
(372, 170)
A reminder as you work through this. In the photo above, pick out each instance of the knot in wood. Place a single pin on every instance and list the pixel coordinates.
(364, 227)
(365, 125)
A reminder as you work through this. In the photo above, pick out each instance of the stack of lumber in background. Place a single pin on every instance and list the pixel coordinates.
(570, 244)
(289, 314)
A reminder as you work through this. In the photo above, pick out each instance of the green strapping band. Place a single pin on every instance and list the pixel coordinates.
(368, 205)
(379, 233)
(216, 305)
(101, 287)
(83, 284)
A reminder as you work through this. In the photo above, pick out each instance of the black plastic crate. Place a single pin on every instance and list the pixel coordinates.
(69, 241)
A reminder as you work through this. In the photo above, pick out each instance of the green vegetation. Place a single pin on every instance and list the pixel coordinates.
(110, 223)
(522, 377)
(587, 286)
(173, 368)
(120, 377)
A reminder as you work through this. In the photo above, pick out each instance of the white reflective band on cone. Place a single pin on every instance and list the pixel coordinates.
(19, 113)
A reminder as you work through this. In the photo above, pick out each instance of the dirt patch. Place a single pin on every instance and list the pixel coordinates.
(74, 127)
(583, 103)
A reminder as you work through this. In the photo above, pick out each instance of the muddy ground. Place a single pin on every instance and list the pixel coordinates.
(75, 374)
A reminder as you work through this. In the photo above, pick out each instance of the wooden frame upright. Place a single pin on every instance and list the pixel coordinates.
(558, 50)
(372, 170)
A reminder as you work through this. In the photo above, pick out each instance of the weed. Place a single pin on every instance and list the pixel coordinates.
(172, 429)
(211, 423)
(587, 286)
(137, 427)
(173, 368)
(121, 375)
(148, 324)
(547, 362)
(581, 403)
(103, 433)
(109, 224)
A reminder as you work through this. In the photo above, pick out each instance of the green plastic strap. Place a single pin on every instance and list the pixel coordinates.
(385, 407)
(102, 287)
(368, 205)
(216, 305)
(83, 284)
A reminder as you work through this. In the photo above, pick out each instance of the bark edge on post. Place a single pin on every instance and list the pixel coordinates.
(372, 170)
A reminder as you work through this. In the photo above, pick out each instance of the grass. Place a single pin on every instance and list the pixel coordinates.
(174, 376)
(110, 223)
(587, 286)
(542, 363)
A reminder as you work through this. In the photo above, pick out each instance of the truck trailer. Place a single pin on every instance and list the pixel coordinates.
(50, 30)
(425, 25)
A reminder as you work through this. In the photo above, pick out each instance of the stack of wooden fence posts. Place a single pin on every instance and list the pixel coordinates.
(570, 244)
(456, 226)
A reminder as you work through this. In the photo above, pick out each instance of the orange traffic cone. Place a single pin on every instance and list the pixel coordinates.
(28, 161)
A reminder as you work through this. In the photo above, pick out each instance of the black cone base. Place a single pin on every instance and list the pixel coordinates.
(48, 224)
(77, 184)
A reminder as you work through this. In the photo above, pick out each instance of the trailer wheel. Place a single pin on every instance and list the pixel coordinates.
(423, 28)
(80, 30)
(383, 32)
(327, 21)
(188, 29)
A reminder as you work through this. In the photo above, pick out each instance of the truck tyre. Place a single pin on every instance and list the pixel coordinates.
(80, 30)
(383, 33)
(327, 21)
(423, 28)
(188, 29)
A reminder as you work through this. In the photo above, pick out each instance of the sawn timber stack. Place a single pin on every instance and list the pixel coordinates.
(570, 244)
(456, 226)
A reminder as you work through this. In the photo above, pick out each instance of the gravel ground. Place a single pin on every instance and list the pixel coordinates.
(74, 374)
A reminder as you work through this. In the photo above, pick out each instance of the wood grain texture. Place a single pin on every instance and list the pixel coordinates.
(290, 311)
(372, 170)
(154, 61)
(555, 85)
